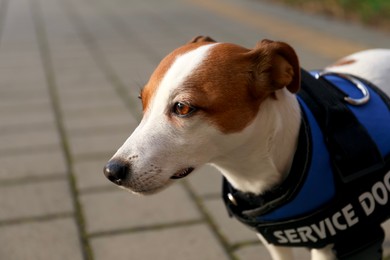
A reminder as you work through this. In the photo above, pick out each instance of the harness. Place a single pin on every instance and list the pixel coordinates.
(339, 182)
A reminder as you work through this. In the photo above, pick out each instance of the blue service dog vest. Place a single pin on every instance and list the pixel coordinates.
(339, 182)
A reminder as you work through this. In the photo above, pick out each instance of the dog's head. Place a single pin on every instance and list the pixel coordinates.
(196, 107)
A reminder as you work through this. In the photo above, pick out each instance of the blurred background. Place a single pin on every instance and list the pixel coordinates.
(70, 74)
(374, 13)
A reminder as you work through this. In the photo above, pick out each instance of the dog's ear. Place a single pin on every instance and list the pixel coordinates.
(201, 39)
(276, 66)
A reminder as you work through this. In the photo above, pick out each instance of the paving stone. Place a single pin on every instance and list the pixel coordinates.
(97, 95)
(89, 174)
(190, 243)
(78, 65)
(104, 110)
(22, 109)
(30, 101)
(119, 121)
(18, 20)
(45, 240)
(92, 143)
(29, 139)
(20, 127)
(83, 77)
(35, 199)
(89, 103)
(33, 76)
(24, 119)
(105, 211)
(74, 60)
(260, 252)
(233, 231)
(35, 163)
(20, 60)
(253, 253)
(16, 100)
(133, 67)
(206, 181)
(32, 79)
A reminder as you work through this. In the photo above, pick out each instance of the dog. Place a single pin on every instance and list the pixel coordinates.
(237, 109)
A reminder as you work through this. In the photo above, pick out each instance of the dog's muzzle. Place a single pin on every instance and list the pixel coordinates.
(116, 171)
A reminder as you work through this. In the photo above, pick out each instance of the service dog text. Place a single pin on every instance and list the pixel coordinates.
(342, 219)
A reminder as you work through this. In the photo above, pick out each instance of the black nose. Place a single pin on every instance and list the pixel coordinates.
(116, 171)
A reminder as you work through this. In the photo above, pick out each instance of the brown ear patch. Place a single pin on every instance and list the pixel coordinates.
(343, 62)
(201, 38)
(282, 73)
(154, 81)
(279, 64)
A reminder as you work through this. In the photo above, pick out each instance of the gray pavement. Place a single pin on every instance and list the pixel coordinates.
(70, 73)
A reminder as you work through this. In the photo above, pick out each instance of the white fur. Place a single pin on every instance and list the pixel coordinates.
(253, 160)
(373, 65)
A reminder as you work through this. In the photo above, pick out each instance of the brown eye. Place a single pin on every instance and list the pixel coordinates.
(183, 109)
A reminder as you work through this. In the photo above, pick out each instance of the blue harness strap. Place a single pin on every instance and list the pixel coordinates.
(374, 115)
(352, 148)
(325, 199)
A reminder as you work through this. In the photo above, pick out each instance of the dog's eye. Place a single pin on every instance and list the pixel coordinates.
(182, 109)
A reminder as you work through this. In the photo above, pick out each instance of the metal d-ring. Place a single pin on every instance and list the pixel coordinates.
(232, 199)
(357, 83)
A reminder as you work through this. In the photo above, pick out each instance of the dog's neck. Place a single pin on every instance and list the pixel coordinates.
(264, 160)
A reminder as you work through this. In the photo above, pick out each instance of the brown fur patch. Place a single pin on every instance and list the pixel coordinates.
(343, 62)
(151, 87)
(221, 88)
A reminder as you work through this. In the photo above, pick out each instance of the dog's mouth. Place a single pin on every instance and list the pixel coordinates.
(182, 173)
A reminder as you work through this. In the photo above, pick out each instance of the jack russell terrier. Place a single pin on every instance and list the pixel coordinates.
(305, 156)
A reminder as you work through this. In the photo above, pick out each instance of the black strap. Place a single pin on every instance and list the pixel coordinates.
(353, 152)
(368, 246)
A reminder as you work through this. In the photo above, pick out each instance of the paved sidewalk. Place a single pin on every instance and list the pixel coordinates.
(70, 73)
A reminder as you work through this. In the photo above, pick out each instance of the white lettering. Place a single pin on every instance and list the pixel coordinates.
(340, 220)
(367, 202)
(292, 236)
(306, 234)
(386, 180)
(349, 215)
(330, 226)
(320, 231)
(336, 222)
(279, 235)
(380, 198)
